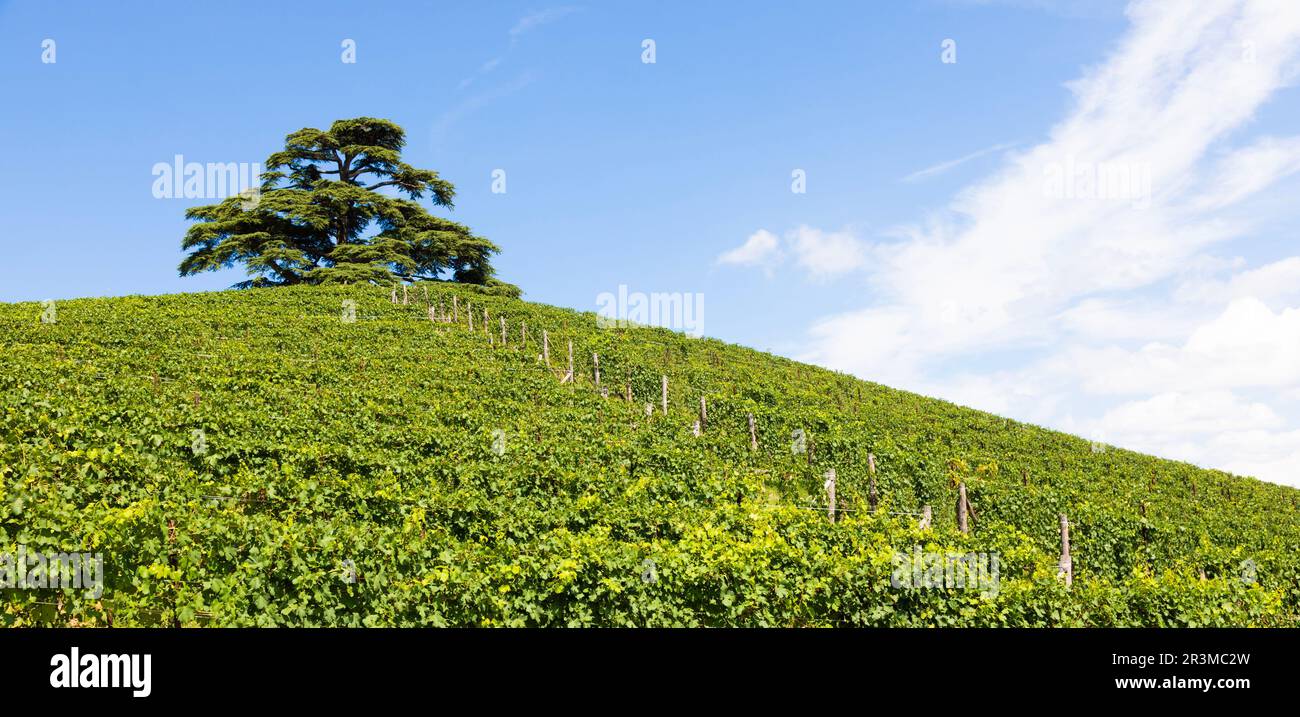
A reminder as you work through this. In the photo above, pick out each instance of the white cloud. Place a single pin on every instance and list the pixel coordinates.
(821, 254)
(1214, 428)
(1187, 414)
(871, 342)
(1245, 342)
(1084, 269)
(1274, 283)
(825, 254)
(761, 249)
(1271, 455)
(1248, 345)
(1248, 170)
(1125, 319)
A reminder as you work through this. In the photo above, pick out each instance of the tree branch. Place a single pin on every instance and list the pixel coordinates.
(386, 183)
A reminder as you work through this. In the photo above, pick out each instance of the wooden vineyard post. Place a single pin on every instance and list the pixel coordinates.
(664, 392)
(595, 367)
(753, 435)
(171, 560)
(569, 375)
(704, 415)
(485, 321)
(424, 291)
(927, 517)
(470, 313)
(523, 335)
(455, 310)
(961, 508)
(829, 485)
(546, 348)
(431, 315)
(872, 496)
(392, 298)
(627, 392)
(1067, 565)
(503, 332)
(406, 298)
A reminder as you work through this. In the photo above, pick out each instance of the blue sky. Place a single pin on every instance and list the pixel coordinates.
(913, 258)
(617, 171)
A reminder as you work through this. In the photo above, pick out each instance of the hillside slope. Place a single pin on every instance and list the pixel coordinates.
(251, 458)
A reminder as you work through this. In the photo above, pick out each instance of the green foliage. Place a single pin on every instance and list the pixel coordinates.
(320, 218)
(350, 477)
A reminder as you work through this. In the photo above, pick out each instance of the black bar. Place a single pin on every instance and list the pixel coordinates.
(928, 668)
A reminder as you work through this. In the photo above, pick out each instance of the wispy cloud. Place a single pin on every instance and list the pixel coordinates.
(522, 26)
(475, 102)
(483, 69)
(1104, 313)
(1064, 8)
(945, 166)
(534, 20)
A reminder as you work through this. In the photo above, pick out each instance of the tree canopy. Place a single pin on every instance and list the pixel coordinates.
(319, 217)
